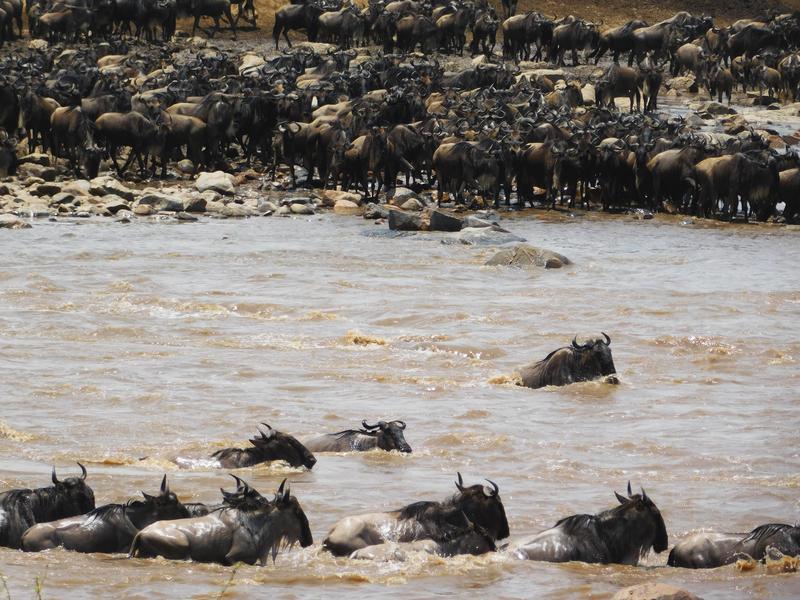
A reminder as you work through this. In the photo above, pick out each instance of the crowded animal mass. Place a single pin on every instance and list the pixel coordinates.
(659, 149)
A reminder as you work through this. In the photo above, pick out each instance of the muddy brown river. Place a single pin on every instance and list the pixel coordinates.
(156, 341)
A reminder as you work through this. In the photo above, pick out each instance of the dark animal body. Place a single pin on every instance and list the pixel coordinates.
(383, 436)
(623, 534)
(571, 364)
(247, 528)
(23, 508)
(710, 550)
(422, 520)
(268, 446)
(110, 528)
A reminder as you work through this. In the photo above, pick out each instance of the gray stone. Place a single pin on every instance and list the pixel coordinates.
(195, 204)
(283, 211)
(62, 198)
(473, 221)
(525, 256)
(78, 187)
(401, 194)
(9, 221)
(715, 108)
(217, 181)
(444, 221)
(376, 211)
(301, 209)
(161, 202)
(266, 207)
(45, 189)
(400, 220)
(331, 197)
(346, 207)
(101, 186)
(113, 204)
(654, 591)
(185, 166)
(412, 204)
(237, 210)
(484, 236)
(34, 170)
(185, 216)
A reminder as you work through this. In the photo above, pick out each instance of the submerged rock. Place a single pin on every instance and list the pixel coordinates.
(484, 236)
(400, 220)
(525, 256)
(8, 221)
(654, 591)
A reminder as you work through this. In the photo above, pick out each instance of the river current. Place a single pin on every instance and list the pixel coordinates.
(126, 346)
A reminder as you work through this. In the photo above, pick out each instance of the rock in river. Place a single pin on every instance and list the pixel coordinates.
(484, 236)
(8, 221)
(525, 256)
(654, 591)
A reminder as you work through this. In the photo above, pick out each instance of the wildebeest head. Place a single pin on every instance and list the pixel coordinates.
(643, 519)
(163, 506)
(596, 353)
(482, 505)
(389, 435)
(282, 446)
(296, 528)
(74, 491)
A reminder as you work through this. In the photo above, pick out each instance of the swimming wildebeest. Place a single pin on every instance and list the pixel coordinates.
(21, 509)
(578, 362)
(422, 520)
(710, 549)
(471, 539)
(623, 534)
(382, 435)
(248, 528)
(109, 528)
(269, 446)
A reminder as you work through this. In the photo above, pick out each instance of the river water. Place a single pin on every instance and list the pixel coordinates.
(160, 340)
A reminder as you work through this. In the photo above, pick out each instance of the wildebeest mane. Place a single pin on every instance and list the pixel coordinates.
(106, 511)
(576, 524)
(347, 432)
(438, 519)
(764, 532)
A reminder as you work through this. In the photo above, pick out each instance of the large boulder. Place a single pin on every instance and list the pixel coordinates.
(376, 211)
(217, 181)
(412, 204)
(34, 170)
(484, 236)
(654, 591)
(526, 257)
(444, 221)
(715, 108)
(400, 220)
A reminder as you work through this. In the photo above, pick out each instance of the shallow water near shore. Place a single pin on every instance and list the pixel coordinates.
(155, 341)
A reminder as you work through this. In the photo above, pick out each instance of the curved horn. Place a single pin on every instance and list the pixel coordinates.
(53, 477)
(630, 493)
(608, 339)
(644, 494)
(495, 487)
(364, 424)
(575, 343)
(622, 499)
(164, 486)
(239, 483)
(460, 483)
(402, 424)
(83, 471)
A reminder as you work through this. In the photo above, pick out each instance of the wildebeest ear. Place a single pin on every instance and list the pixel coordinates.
(622, 499)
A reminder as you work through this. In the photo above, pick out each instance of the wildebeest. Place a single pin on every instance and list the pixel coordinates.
(422, 520)
(110, 528)
(23, 508)
(248, 528)
(621, 535)
(571, 364)
(144, 137)
(382, 435)
(268, 446)
(296, 16)
(471, 539)
(710, 549)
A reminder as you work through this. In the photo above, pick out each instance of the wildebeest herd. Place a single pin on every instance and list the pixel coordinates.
(112, 77)
(248, 527)
(366, 109)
